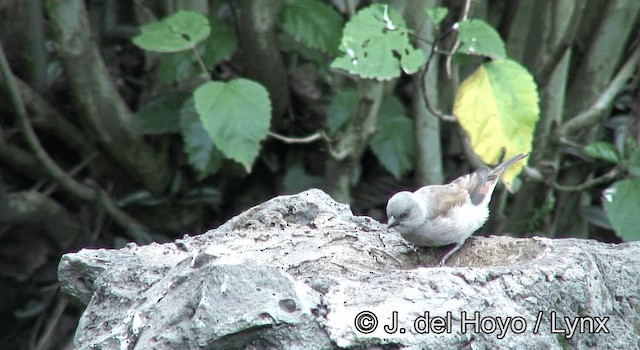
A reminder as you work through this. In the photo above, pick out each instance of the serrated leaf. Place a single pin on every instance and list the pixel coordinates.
(437, 15)
(236, 115)
(497, 106)
(341, 109)
(221, 44)
(393, 142)
(376, 44)
(182, 30)
(603, 150)
(202, 154)
(621, 202)
(313, 23)
(480, 39)
(162, 115)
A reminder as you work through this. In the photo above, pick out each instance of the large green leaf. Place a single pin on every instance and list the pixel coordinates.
(162, 115)
(221, 44)
(376, 45)
(202, 154)
(621, 202)
(480, 39)
(236, 115)
(182, 30)
(341, 109)
(313, 23)
(393, 142)
(497, 106)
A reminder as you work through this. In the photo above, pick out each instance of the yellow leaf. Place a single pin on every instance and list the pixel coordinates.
(497, 107)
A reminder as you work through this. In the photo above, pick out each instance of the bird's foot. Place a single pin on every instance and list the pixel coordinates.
(444, 259)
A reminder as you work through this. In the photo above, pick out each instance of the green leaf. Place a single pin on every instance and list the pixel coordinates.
(621, 202)
(289, 44)
(313, 23)
(182, 30)
(202, 154)
(341, 109)
(393, 142)
(297, 179)
(176, 66)
(480, 39)
(634, 162)
(162, 115)
(497, 106)
(376, 45)
(393, 145)
(222, 43)
(390, 108)
(603, 150)
(595, 216)
(236, 115)
(437, 15)
(142, 198)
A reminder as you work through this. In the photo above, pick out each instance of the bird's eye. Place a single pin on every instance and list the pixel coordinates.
(403, 215)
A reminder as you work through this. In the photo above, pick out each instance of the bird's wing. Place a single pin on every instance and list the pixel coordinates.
(443, 198)
(475, 184)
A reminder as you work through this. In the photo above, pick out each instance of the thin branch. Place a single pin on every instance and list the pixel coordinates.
(456, 44)
(423, 79)
(320, 135)
(67, 182)
(595, 113)
(52, 323)
(203, 67)
(606, 177)
(75, 170)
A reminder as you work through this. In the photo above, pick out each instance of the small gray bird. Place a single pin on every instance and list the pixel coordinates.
(440, 215)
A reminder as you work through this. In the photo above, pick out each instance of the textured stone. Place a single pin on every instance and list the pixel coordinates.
(297, 272)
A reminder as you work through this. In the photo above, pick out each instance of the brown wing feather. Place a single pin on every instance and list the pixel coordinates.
(443, 198)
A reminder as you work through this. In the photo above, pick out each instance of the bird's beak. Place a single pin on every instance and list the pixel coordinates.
(392, 222)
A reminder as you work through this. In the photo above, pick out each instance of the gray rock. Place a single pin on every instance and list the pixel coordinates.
(301, 272)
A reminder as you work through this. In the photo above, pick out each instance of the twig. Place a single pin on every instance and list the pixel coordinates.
(606, 177)
(67, 182)
(52, 323)
(320, 135)
(350, 6)
(423, 78)
(203, 67)
(594, 114)
(76, 169)
(456, 44)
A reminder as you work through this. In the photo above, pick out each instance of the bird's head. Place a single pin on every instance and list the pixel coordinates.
(404, 212)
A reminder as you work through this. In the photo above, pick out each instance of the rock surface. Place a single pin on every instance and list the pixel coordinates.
(301, 272)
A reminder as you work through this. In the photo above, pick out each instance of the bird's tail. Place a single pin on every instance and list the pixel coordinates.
(498, 171)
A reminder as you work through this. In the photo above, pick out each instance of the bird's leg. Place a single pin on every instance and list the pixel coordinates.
(446, 256)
